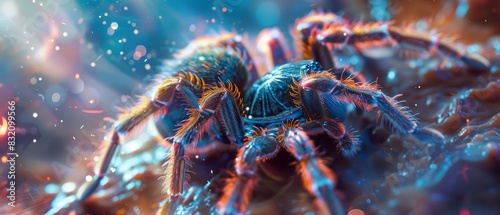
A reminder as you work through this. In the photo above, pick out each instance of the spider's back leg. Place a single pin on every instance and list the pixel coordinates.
(127, 122)
(318, 179)
(317, 35)
(375, 34)
(239, 187)
(273, 48)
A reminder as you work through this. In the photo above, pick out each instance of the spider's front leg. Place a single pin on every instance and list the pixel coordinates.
(186, 85)
(365, 96)
(318, 179)
(239, 187)
(218, 104)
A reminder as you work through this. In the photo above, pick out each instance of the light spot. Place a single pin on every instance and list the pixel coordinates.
(110, 31)
(51, 188)
(9, 9)
(56, 97)
(88, 178)
(68, 187)
(391, 75)
(268, 14)
(35, 115)
(65, 34)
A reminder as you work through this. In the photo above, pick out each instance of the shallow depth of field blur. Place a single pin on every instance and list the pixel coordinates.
(72, 64)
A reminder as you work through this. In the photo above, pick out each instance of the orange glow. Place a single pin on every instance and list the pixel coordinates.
(48, 178)
(3, 127)
(356, 212)
(77, 76)
(91, 101)
(4, 159)
(92, 111)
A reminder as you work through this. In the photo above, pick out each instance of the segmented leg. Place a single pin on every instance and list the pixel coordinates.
(272, 46)
(218, 104)
(239, 187)
(318, 179)
(328, 89)
(317, 37)
(433, 43)
(186, 85)
(348, 144)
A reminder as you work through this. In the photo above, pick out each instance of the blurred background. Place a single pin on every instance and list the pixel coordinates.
(71, 64)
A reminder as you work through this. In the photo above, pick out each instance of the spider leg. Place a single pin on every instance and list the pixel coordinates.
(373, 34)
(321, 94)
(218, 104)
(365, 96)
(348, 72)
(318, 179)
(305, 31)
(272, 46)
(320, 45)
(239, 187)
(348, 144)
(129, 121)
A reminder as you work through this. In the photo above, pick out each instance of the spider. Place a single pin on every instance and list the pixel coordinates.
(296, 100)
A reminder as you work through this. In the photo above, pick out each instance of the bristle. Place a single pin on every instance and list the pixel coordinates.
(189, 131)
(289, 123)
(320, 181)
(399, 117)
(295, 93)
(193, 79)
(348, 144)
(230, 88)
(237, 193)
(133, 119)
(175, 168)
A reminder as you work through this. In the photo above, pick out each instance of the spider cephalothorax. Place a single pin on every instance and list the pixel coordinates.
(281, 110)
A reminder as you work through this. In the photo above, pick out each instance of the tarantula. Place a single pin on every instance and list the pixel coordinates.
(280, 110)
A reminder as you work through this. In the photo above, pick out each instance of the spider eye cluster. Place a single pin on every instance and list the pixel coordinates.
(311, 68)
